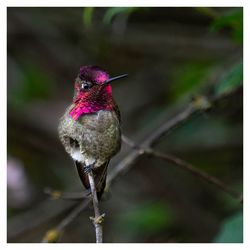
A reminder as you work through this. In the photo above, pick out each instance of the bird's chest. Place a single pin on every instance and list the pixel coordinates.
(98, 124)
(97, 135)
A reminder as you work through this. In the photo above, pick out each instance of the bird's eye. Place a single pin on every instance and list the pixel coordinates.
(86, 85)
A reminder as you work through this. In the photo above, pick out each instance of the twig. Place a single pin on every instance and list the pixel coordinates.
(53, 235)
(191, 169)
(56, 194)
(124, 165)
(135, 152)
(18, 225)
(98, 219)
(197, 105)
(184, 165)
(172, 123)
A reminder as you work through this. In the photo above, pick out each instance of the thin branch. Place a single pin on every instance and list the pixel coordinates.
(98, 219)
(124, 164)
(135, 152)
(56, 194)
(184, 165)
(168, 125)
(191, 169)
(18, 225)
(197, 105)
(53, 235)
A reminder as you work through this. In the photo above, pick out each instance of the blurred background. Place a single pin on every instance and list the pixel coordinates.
(171, 56)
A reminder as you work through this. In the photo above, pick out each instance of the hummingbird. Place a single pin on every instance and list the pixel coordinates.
(90, 127)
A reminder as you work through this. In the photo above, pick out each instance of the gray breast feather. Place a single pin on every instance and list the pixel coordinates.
(93, 138)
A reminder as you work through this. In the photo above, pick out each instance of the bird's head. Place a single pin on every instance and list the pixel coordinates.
(92, 91)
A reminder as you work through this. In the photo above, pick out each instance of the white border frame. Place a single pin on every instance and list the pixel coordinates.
(3, 107)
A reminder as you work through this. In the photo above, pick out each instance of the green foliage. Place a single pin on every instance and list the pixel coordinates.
(147, 218)
(232, 19)
(234, 77)
(207, 11)
(231, 204)
(88, 16)
(231, 230)
(34, 85)
(114, 11)
(187, 78)
(230, 81)
(108, 15)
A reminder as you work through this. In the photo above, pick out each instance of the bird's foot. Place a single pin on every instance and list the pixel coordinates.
(88, 168)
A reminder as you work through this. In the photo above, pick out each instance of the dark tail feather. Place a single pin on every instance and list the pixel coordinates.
(100, 175)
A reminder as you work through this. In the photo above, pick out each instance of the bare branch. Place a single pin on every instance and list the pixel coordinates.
(168, 125)
(197, 105)
(136, 150)
(184, 165)
(124, 164)
(18, 224)
(56, 194)
(190, 168)
(53, 235)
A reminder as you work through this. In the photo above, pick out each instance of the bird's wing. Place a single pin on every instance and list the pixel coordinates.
(99, 173)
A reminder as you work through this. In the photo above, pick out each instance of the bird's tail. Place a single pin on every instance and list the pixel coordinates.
(100, 175)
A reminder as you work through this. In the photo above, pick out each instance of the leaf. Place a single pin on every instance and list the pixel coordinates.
(231, 204)
(188, 77)
(230, 81)
(87, 16)
(147, 218)
(207, 11)
(51, 236)
(231, 230)
(34, 85)
(233, 20)
(112, 12)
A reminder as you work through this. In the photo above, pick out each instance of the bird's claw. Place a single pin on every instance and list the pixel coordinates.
(87, 169)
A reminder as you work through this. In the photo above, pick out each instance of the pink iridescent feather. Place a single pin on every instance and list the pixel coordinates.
(99, 97)
(87, 104)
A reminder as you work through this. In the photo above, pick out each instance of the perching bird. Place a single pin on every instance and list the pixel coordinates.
(90, 127)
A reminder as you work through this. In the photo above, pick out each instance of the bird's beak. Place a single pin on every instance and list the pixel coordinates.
(115, 78)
